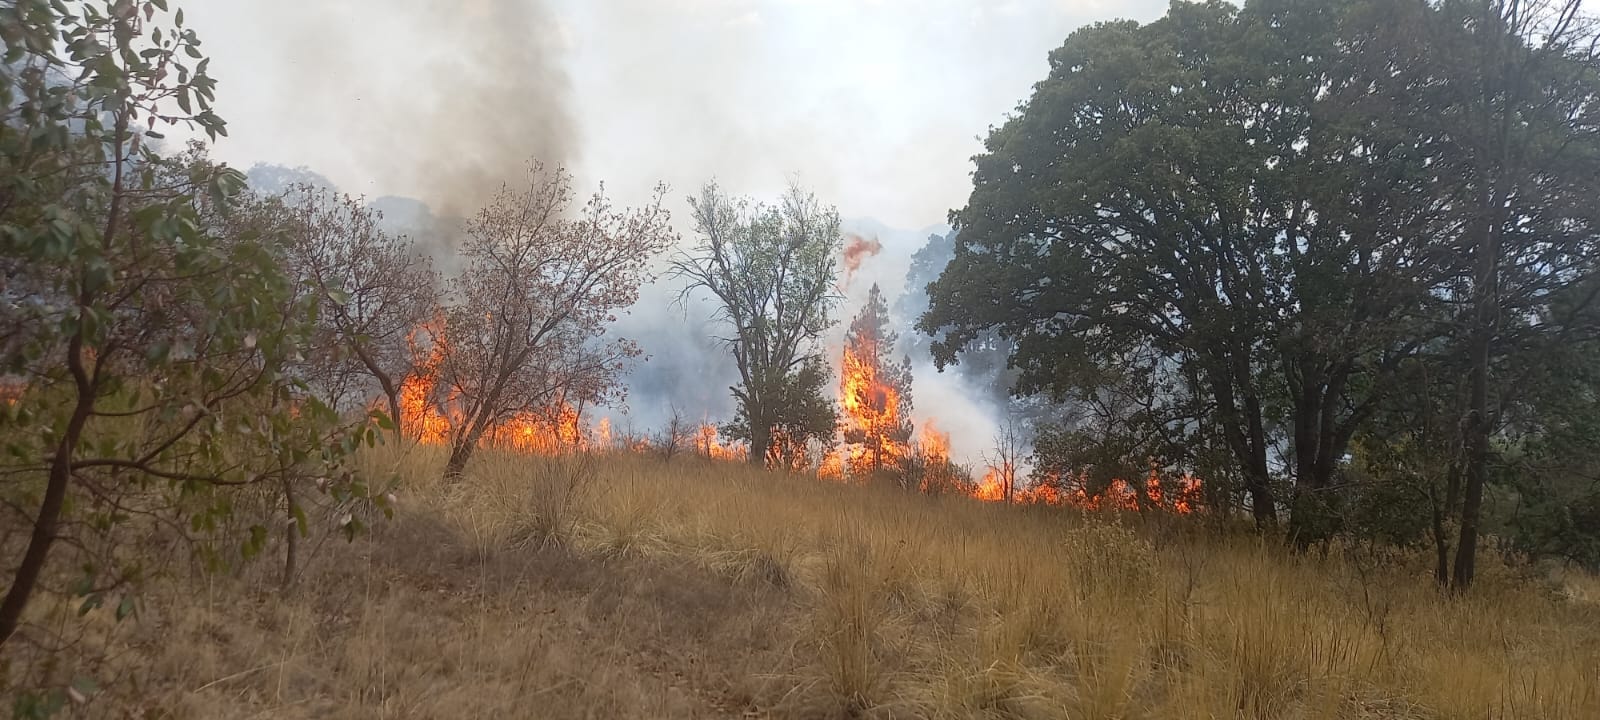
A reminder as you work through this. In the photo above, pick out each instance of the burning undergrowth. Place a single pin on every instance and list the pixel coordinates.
(877, 439)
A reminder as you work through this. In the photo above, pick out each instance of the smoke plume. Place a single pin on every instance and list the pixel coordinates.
(441, 101)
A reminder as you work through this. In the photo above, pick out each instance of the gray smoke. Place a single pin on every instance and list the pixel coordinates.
(441, 101)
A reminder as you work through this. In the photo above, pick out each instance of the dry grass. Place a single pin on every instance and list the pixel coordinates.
(626, 587)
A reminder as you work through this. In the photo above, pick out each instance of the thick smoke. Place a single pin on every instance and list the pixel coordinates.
(687, 370)
(441, 101)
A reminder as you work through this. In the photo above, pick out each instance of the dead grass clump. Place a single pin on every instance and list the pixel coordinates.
(848, 631)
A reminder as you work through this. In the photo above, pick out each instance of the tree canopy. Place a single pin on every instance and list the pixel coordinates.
(1228, 236)
(771, 271)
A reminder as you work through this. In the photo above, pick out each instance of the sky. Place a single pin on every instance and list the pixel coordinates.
(877, 106)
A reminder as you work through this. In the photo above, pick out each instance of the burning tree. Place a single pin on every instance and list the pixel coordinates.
(522, 336)
(771, 269)
(929, 464)
(1000, 481)
(800, 415)
(875, 392)
(373, 291)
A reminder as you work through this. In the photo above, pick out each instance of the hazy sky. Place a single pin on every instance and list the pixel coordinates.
(876, 104)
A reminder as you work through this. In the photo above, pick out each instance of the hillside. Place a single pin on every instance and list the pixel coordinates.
(621, 586)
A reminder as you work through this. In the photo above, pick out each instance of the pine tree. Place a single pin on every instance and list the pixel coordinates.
(875, 392)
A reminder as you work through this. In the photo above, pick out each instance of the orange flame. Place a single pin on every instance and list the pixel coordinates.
(1119, 495)
(430, 417)
(831, 467)
(419, 416)
(856, 250)
(934, 445)
(871, 414)
(708, 444)
(990, 488)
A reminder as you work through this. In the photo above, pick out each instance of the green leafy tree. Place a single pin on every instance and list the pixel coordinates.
(1509, 91)
(1247, 229)
(772, 271)
(1185, 205)
(982, 361)
(145, 348)
(803, 418)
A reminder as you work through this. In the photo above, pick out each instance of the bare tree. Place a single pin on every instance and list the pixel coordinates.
(373, 290)
(677, 435)
(1005, 457)
(772, 271)
(528, 313)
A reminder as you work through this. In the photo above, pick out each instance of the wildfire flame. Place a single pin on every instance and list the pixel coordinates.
(708, 444)
(856, 250)
(1119, 495)
(430, 417)
(871, 411)
(871, 414)
(932, 444)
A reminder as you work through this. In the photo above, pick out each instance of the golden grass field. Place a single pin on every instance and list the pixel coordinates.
(622, 586)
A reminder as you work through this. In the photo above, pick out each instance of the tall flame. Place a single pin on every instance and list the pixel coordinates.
(708, 444)
(871, 414)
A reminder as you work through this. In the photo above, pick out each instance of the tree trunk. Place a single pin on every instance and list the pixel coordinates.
(1476, 426)
(391, 390)
(1246, 438)
(291, 534)
(460, 453)
(393, 396)
(1305, 513)
(1472, 498)
(1441, 540)
(760, 440)
(55, 494)
(1262, 504)
(461, 450)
